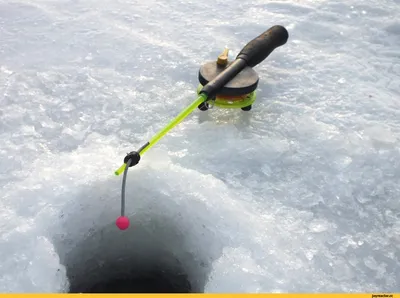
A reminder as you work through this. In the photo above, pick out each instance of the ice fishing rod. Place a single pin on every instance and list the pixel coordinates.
(216, 77)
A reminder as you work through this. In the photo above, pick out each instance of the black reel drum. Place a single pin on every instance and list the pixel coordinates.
(238, 93)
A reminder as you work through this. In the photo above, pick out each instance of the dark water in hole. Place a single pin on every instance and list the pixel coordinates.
(149, 282)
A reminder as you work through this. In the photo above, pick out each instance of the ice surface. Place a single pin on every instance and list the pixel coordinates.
(300, 194)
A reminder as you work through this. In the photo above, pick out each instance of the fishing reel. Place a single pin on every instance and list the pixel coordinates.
(238, 93)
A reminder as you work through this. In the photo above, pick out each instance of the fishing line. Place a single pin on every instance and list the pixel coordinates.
(128, 164)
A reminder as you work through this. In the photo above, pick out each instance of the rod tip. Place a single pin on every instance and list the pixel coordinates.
(120, 170)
